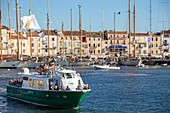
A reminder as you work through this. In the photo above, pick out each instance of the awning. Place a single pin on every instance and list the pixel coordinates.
(118, 47)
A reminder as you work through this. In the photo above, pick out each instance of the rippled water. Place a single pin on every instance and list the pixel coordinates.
(129, 90)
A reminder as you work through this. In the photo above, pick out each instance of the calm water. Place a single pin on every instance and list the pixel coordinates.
(129, 90)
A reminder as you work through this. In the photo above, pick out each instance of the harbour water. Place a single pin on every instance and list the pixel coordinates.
(129, 90)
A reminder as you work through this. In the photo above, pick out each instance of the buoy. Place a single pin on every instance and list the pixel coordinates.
(8, 69)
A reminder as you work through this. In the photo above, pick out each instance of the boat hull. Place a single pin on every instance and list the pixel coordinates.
(51, 98)
(130, 62)
(106, 67)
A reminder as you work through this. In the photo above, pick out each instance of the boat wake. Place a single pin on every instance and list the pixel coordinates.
(2, 89)
(2, 101)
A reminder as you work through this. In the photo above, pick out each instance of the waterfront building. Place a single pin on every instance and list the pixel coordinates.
(119, 42)
(67, 43)
(166, 42)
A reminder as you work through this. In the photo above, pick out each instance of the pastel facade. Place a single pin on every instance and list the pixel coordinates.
(94, 44)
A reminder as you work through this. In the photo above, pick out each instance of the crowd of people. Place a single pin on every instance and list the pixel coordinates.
(47, 69)
(16, 82)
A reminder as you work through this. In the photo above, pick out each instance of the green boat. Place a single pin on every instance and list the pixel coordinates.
(64, 89)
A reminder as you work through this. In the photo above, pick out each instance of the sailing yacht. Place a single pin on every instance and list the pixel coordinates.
(9, 63)
(131, 61)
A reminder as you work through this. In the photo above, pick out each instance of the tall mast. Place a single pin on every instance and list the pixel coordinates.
(134, 14)
(9, 21)
(30, 30)
(150, 16)
(90, 38)
(71, 32)
(0, 31)
(129, 30)
(48, 28)
(102, 32)
(80, 30)
(162, 25)
(149, 50)
(20, 29)
(17, 30)
(114, 36)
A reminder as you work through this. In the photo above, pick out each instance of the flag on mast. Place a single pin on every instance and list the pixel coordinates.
(148, 39)
(29, 22)
(41, 34)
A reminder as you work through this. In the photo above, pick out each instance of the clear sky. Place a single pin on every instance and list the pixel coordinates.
(94, 9)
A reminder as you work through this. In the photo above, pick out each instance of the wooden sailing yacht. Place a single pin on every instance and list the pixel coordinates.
(132, 61)
(10, 64)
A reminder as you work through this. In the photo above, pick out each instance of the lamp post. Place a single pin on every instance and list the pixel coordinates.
(115, 34)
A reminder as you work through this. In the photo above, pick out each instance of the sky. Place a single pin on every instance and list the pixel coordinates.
(94, 10)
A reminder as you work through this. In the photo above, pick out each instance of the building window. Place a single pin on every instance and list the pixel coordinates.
(69, 44)
(60, 43)
(156, 45)
(98, 51)
(38, 50)
(22, 45)
(144, 51)
(32, 44)
(94, 45)
(33, 50)
(156, 39)
(145, 45)
(23, 50)
(98, 39)
(98, 45)
(52, 45)
(65, 44)
(89, 39)
(53, 39)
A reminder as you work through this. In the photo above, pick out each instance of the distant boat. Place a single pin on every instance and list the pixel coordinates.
(106, 67)
(11, 64)
(132, 62)
(63, 89)
(32, 64)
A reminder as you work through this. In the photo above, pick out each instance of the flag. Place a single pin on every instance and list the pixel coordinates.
(84, 39)
(29, 22)
(41, 34)
(148, 39)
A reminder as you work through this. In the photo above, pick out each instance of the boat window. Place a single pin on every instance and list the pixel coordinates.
(35, 83)
(25, 78)
(41, 84)
(68, 75)
(30, 82)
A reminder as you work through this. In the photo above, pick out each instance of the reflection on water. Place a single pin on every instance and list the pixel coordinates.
(129, 90)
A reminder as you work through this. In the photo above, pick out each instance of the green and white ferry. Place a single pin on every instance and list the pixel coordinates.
(64, 88)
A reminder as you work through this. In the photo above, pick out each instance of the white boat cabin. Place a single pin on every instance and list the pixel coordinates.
(60, 80)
